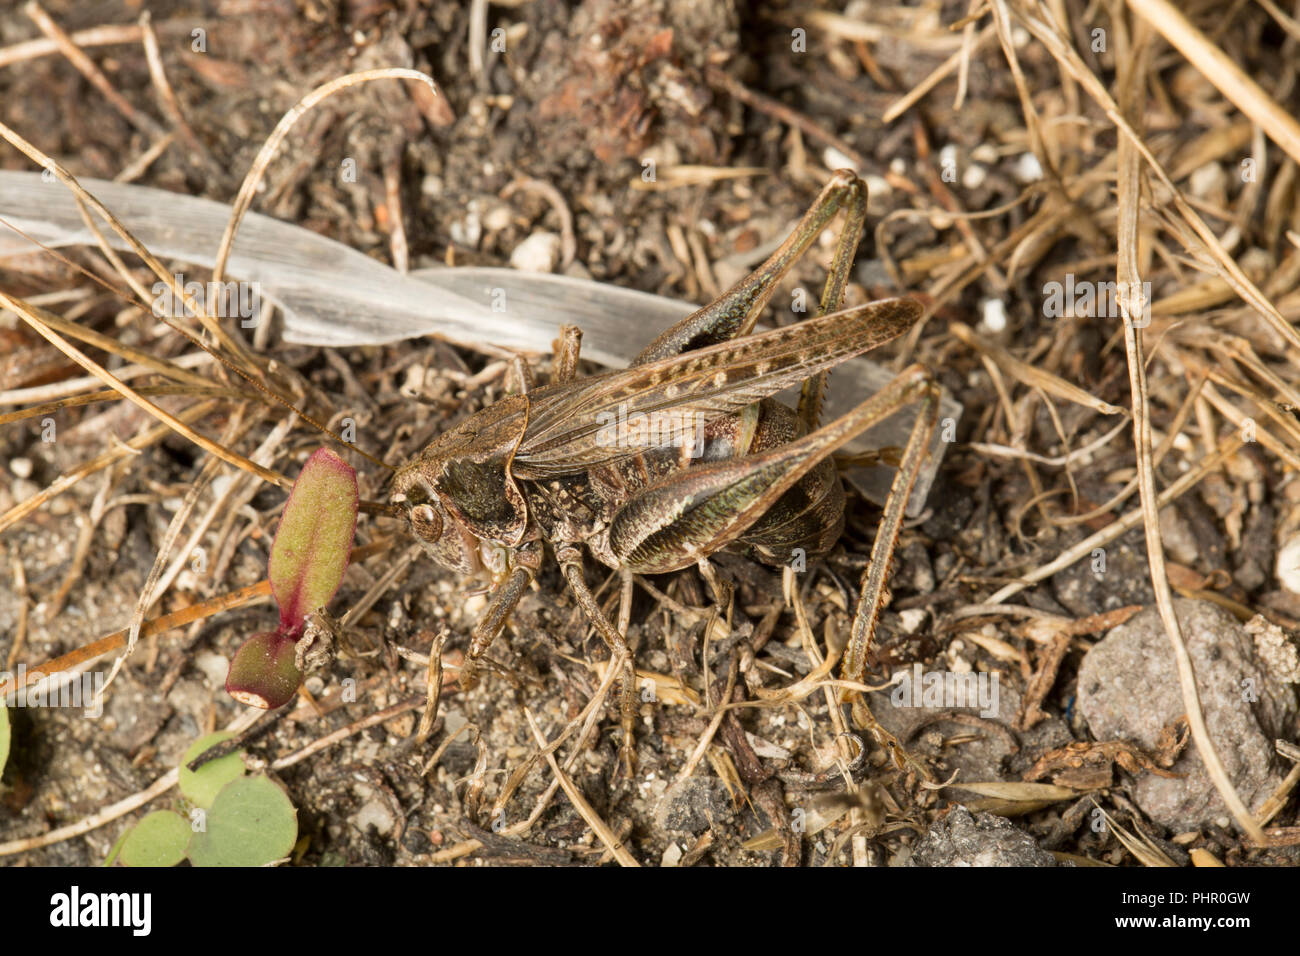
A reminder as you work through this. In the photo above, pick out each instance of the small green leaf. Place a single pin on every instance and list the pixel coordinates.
(312, 543)
(264, 672)
(202, 786)
(251, 823)
(159, 839)
(4, 736)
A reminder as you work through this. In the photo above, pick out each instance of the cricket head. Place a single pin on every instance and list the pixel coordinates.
(459, 491)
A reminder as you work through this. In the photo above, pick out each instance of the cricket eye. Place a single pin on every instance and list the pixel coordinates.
(426, 523)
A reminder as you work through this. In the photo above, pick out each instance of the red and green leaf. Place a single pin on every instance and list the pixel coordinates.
(311, 546)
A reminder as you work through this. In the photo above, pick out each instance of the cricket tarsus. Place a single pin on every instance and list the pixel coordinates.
(683, 454)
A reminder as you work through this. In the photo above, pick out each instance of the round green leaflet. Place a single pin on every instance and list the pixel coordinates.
(160, 839)
(251, 823)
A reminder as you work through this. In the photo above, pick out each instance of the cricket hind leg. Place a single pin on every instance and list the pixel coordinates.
(692, 513)
(734, 313)
(812, 511)
(874, 590)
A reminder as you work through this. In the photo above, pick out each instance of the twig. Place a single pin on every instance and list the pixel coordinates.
(20, 593)
(108, 35)
(433, 688)
(585, 809)
(779, 111)
(87, 68)
(397, 243)
(940, 73)
(329, 740)
(167, 96)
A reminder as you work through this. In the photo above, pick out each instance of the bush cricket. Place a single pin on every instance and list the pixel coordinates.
(654, 468)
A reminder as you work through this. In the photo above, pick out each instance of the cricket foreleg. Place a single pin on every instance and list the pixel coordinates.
(504, 600)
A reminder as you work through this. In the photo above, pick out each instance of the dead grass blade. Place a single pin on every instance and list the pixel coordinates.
(244, 200)
(1132, 85)
(1217, 67)
(109, 379)
(1029, 375)
(1143, 850)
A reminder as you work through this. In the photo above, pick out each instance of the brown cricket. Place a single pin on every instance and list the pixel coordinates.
(656, 467)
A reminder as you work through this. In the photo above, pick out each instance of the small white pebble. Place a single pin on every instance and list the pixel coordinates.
(1288, 564)
(23, 489)
(498, 217)
(374, 813)
(22, 467)
(993, 315)
(1207, 180)
(1028, 169)
(912, 619)
(453, 722)
(467, 232)
(973, 176)
(832, 158)
(213, 666)
(540, 252)
(672, 856)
